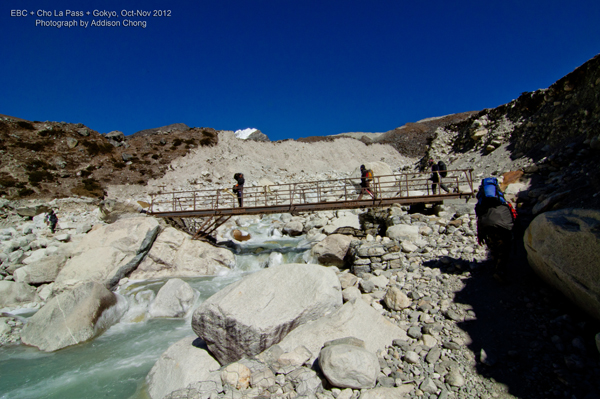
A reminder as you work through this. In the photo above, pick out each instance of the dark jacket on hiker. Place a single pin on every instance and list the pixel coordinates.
(494, 229)
(239, 187)
(52, 220)
(435, 178)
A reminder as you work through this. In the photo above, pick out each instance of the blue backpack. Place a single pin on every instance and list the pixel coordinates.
(489, 192)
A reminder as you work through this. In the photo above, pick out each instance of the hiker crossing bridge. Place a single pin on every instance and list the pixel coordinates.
(201, 212)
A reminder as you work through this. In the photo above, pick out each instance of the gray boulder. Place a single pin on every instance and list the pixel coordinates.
(175, 254)
(184, 363)
(332, 250)
(348, 365)
(32, 210)
(258, 136)
(16, 293)
(395, 299)
(402, 232)
(348, 220)
(110, 252)
(112, 210)
(72, 317)
(43, 271)
(293, 228)
(174, 299)
(256, 312)
(563, 247)
(115, 135)
(354, 319)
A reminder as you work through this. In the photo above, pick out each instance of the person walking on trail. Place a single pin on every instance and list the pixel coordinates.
(366, 175)
(495, 221)
(239, 188)
(436, 178)
(51, 220)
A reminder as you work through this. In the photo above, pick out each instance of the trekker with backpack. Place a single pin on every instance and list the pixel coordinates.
(495, 221)
(438, 170)
(51, 220)
(239, 188)
(366, 175)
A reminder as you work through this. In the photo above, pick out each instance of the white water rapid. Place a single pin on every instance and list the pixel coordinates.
(115, 364)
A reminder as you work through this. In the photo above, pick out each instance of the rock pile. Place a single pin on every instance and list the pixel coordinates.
(407, 281)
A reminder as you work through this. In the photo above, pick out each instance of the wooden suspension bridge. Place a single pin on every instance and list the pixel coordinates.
(201, 212)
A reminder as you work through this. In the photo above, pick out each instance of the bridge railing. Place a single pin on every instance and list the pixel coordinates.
(401, 186)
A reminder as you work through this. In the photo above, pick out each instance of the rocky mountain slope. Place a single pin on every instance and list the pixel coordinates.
(57, 159)
(552, 134)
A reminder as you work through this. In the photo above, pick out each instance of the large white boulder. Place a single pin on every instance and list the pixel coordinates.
(293, 228)
(247, 317)
(175, 254)
(72, 317)
(174, 299)
(403, 232)
(562, 247)
(43, 271)
(184, 363)
(108, 253)
(332, 250)
(347, 364)
(347, 220)
(16, 294)
(354, 319)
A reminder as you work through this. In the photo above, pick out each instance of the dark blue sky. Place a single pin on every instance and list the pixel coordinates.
(291, 68)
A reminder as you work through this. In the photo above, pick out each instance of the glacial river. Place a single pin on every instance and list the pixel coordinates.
(115, 364)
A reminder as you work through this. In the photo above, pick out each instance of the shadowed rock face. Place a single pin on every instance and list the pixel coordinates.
(563, 248)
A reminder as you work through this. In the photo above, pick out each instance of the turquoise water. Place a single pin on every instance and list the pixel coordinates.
(115, 364)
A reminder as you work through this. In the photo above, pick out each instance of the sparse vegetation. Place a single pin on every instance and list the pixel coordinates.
(94, 148)
(7, 180)
(25, 125)
(38, 176)
(25, 192)
(38, 164)
(209, 138)
(89, 188)
(35, 146)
